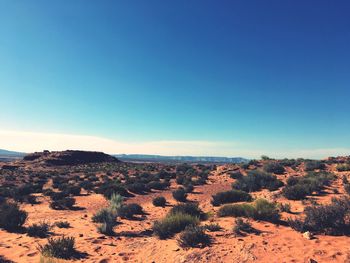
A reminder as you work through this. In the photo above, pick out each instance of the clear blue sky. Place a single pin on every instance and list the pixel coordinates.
(272, 76)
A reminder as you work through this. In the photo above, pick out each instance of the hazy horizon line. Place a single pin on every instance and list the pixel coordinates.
(26, 142)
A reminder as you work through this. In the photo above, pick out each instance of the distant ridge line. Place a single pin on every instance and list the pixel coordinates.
(160, 158)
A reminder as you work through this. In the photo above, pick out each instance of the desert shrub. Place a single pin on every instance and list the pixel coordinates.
(257, 180)
(236, 175)
(194, 236)
(115, 202)
(128, 211)
(212, 227)
(242, 226)
(289, 162)
(347, 188)
(188, 188)
(62, 224)
(274, 167)
(230, 197)
(343, 167)
(265, 210)
(159, 201)
(180, 179)
(236, 210)
(38, 230)
(58, 195)
(63, 187)
(73, 190)
(110, 188)
(106, 228)
(157, 185)
(104, 215)
(48, 192)
(137, 188)
(172, 224)
(331, 218)
(11, 216)
(296, 192)
(180, 195)
(244, 166)
(314, 165)
(62, 204)
(284, 207)
(62, 247)
(107, 216)
(260, 209)
(189, 209)
(87, 185)
(107, 219)
(299, 187)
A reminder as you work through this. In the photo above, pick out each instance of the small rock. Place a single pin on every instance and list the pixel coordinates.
(308, 235)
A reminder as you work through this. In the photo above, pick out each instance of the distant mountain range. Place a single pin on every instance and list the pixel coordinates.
(6, 155)
(10, 155)
(190, 159)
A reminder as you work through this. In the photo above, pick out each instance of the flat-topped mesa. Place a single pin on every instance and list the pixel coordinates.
(69, 157)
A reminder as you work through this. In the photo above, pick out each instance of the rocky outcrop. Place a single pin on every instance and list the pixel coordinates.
(69, 157)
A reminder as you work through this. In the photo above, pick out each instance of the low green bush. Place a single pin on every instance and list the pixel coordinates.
(257, 180)
(180, 195)
(343, 167)
(63, 247)
(194, 236)
(11, 216)
(188, 208)
(38, 230)
(212, 227)
(314, 165)
(330, 219)
(242, 226)
(274, 167)
(159, 201)
(129, 210)
(260, 209)
(236, 175)
(62, 224)
(230, 197)
(172, 224)
(300, 187)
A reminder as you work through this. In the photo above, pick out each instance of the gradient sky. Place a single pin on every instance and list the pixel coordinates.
(176, 77)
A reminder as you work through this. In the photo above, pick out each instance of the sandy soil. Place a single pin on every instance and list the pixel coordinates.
(134, 241)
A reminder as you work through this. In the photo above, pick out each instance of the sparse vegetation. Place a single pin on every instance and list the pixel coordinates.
(63, 247)
(159, 201)
(343, 167)
(257, 180)
(62, 224)
(314, 165)
(172, 224)
(180, 195)
(260, 209)
(194, 236)
(274, 167)
(213, 227)
(329, 219)
(38, 230)
(11, 216)
(242, 226)
(231, 196)
(189, 209)
(299, 187)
